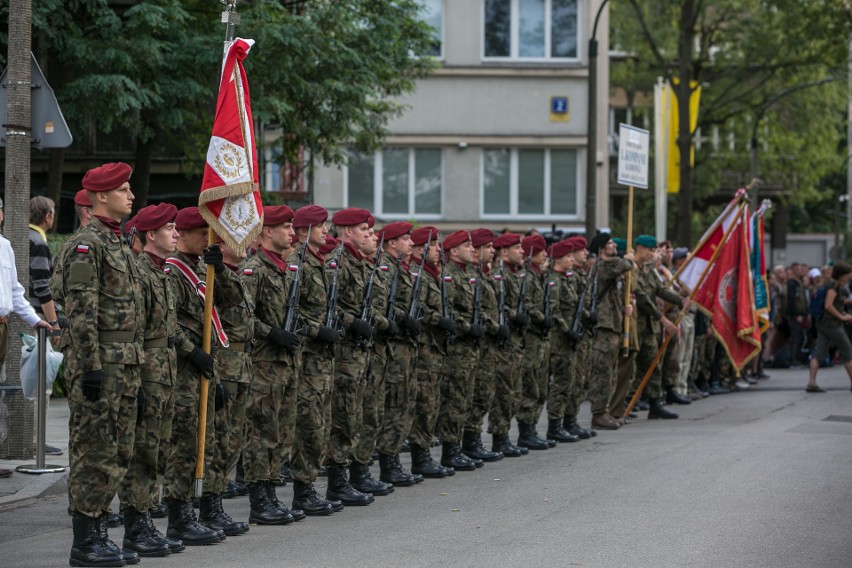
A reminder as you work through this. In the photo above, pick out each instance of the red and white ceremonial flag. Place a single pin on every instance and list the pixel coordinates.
(230, 195)
(690, 273)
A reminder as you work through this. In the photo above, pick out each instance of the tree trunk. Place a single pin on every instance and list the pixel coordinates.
(141, 181)
(19, 417)
(684, 136)
(54, 179)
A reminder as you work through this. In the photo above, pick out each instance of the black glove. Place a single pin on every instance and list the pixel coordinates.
(392, 329)
(411, 325)
(91, 382)
(328, 335)
(448, 325)
(503, 333)
(521, 319)
(362, 328)
(212, 256)
(475, 331)
(547, 324)
(283, 338)
(141, 401)
(220, 398)
(202, 361)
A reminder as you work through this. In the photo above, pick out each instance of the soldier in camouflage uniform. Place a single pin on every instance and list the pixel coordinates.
(564, 300)
(271, 406)
(495, 336)
(536, 348)
(83, 209)
(430, 359)
(399, 382)
(457, 383)
(650, 317)
(507, 375)
(139, 492)
(313, 402)
(610, 327)
(670, 364)
(626, 364)
(186, 271)
(103, 349)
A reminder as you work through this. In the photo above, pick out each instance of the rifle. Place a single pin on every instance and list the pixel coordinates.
(332, 320)
(522, 293)
(575, 334)
(478, 318)
(393, 289)
(293, 322)
(501, 301)
(445, 300)
(414, 310)
(547, 308)
(131, 237)
(593, 308)
(367, 304)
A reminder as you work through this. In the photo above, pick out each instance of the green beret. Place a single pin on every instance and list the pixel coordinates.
(620, 244)
(646, 241)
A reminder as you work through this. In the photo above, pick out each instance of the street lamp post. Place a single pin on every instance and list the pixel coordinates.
(592, 152)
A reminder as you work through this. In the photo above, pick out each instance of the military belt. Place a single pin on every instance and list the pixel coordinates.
(166, 342)
(237, 346)
(117, 336)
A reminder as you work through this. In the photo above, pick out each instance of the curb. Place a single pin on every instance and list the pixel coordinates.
(42, 485)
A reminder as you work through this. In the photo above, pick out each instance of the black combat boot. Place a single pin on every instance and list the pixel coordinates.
(138, 537)
(130, 558)
(230, 490)
(305, 498)
(572, 427)
(174, 544)
(527, 438)
(212, 515)
(340, 490)
(285, 475)
(555, 431)
(452, 456)
(501, 443)
(263, 511)
(657, 410)
(392, 472)
(673, 397)
(361, 479)
(423, 464)
(160, 511)
(89, 548)
(297, 514)
(473, 448)
(184, 527)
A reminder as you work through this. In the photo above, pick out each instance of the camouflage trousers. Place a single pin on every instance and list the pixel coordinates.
(347, 397)
(603, 360)
(534, 379)
(686, 347)
(373, 409)
(483, 386)
(699, 371)
(140, 486)
(623, 383)
(649, 344)
(100, 436)
(561, 383)
(670, 364)
(400, 393)
(270, 419)
(179, 478)
(507, 388)
(229, 426)
(313, 416)
(430, 364)
(579, 356)
(456, 389)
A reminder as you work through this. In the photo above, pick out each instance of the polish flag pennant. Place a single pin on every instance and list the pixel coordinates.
(230, 194)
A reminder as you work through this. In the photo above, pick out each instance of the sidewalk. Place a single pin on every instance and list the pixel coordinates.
(22, 486)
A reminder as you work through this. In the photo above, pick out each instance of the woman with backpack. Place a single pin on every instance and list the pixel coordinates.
(829, 323)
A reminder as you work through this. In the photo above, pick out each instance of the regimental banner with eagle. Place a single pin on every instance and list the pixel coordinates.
(230, 194)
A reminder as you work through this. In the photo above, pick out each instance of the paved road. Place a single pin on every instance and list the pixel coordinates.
(760, 478)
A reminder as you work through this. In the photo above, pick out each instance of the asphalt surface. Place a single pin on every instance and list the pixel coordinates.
(759, 478)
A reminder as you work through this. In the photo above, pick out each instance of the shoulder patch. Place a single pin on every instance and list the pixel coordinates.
(248, 271)
(497, 277)
(383, 267)
(448, 278)
(471, 280)
(522, 275)
(551, 283)
(83, 249)
(167, 269)
(293, 267)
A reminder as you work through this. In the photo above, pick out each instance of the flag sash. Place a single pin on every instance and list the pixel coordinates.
(200, 288)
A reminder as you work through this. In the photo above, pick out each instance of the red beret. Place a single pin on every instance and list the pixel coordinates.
(420, 235)
(395, 230)
(107, 177)
(560, 249)
(189, 218)
(153, 217)
(330, 245)
(575, 243)
(507, 240)
(371, 221)
(455, 239)
(276, 215)
(533, 244)
(309, 215)
(82, 199)
(480, 237)
(351, 216)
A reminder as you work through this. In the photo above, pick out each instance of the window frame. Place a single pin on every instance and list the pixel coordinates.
(514, 16)
(442, 36)
(513, 213)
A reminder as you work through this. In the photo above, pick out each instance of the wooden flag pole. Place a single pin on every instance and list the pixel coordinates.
(625, 343)
(665, 344)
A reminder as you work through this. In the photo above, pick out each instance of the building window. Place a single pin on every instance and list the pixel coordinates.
(531, 29)
(397, 182)
(433, 14)
(530, 183)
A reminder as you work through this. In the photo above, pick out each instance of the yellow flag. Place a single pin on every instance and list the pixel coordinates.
(670, 103)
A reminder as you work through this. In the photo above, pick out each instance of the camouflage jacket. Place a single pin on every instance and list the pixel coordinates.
(101, 287)
(237, 317)
(269, 287)
(460, 292)
(649, 288)
(59, 270)
(610, 298)
(402, 301)
(535, 300)
(431, 309)
(313, 301)
(158, 298)
(352, 275)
